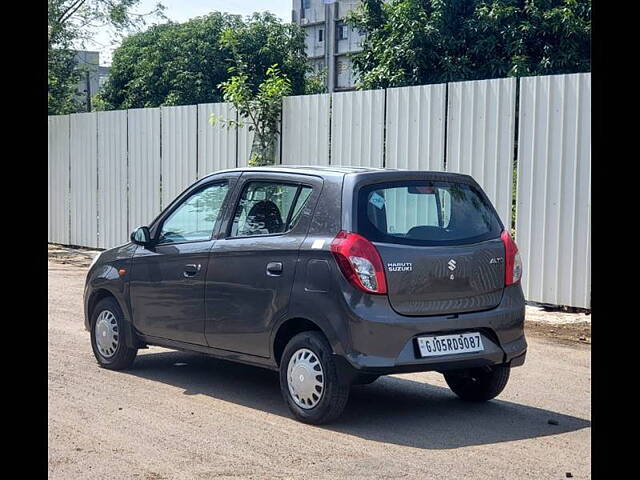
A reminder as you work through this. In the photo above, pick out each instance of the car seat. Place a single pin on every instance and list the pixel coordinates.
(264, 218)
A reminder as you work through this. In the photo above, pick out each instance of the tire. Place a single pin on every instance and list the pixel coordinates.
(478, 384)
(121, 356)
(312, 349)
(365, 379)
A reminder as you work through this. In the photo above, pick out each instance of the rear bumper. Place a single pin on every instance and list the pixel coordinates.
(383, 342)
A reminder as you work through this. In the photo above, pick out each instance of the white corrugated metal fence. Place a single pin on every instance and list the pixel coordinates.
(217, 147)
(112, 178)
(143, 140)
(415, 125)
(178, 145)
(553, 217)
(357, 128)
(480, 137)
(58, 163)
(305, 130)
(112, 171)
(83, 185)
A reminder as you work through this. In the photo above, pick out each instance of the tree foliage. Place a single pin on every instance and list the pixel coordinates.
(259, 110)
(63, 78)
(184, 63)
(77, 20)
(316, 82)
(70, 24)
(412, 42)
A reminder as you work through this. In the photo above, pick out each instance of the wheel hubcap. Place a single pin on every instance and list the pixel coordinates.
(106, 333)
(305, 378)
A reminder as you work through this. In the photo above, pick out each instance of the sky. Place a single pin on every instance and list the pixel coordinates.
(183, 10)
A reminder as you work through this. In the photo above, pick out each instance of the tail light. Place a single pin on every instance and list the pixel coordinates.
(513, 262)
(359, 262)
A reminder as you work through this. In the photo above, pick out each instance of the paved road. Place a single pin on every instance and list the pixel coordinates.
(180, 415)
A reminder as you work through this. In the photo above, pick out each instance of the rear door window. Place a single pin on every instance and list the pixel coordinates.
(426, 213)
(268, 208)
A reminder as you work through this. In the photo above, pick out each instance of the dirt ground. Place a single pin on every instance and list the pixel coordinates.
(182, 415)
(80, 257)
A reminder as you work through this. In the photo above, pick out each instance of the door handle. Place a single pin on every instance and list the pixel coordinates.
(274, 269)
(191, 269)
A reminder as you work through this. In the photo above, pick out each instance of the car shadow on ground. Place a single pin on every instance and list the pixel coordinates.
(392, 410)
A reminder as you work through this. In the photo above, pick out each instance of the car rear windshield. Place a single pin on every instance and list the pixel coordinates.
(426, 213)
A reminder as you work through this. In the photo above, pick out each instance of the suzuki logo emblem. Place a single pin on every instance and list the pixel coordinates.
(452, 264)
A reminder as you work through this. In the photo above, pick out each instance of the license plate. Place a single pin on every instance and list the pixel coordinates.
(450, 344)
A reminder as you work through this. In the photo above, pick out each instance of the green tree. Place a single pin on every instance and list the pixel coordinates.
(259, 109)
(73, 22)
(412, 42)
(316, 82)
(63, 78)
(263, 41)
(181, 64)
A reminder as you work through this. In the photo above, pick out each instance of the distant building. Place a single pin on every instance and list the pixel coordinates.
(329, 40)
(103, 76)
(93, 76)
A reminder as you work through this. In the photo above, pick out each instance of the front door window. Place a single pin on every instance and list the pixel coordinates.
(194, 219)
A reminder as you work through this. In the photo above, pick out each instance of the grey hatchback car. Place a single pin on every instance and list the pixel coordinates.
(332, 276)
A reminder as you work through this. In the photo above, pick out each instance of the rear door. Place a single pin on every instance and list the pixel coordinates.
(439, 242)
(252, 266)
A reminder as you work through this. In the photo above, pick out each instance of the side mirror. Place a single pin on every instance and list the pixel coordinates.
(141, 236)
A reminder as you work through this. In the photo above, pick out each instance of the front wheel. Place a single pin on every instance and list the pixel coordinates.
(108, 337)
(478, 384)
(309, 381)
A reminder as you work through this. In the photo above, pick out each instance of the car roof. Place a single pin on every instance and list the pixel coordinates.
(307, 169)
(329, 171)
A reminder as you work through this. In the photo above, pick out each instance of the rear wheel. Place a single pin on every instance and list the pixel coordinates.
(478, 384)
(309, 381)
(108, 337)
